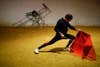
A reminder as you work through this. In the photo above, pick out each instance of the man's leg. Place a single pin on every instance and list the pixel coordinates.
(49, 43)
(56, 38)
(71, 37)
(70, 41)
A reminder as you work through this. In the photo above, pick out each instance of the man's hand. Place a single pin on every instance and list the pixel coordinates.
(62, 35)
(78, 29)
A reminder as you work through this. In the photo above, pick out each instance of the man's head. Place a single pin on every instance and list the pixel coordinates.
(68, 17)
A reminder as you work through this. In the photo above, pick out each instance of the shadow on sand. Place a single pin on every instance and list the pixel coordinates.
(56, 50)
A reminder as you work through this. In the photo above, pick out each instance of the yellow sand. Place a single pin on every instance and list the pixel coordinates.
(17, 45)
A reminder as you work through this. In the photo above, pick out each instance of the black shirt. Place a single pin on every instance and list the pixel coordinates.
(62, 26)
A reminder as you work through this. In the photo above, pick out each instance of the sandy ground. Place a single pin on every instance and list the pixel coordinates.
(17, 45)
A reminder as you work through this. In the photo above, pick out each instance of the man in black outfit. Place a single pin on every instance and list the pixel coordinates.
(61, 29)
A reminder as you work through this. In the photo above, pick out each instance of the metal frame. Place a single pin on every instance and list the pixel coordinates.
(37, 17)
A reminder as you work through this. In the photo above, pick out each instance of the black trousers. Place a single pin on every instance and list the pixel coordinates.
(58, 37)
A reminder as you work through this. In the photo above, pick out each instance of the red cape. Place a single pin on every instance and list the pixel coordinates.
(83, 47)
